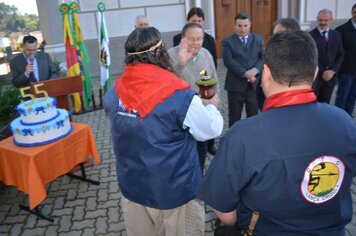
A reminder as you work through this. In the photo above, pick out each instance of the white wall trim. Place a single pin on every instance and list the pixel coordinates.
(187, 8)
(55, 48)
(212, 18)
(302, 10)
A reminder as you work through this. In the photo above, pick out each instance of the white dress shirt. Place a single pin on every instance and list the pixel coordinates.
(204, 122)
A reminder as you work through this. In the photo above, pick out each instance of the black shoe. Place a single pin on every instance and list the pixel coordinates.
(212, 150)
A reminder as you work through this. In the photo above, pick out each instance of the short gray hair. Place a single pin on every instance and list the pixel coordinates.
(326, 11)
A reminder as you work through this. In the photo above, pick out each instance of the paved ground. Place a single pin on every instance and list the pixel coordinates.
(79, 208)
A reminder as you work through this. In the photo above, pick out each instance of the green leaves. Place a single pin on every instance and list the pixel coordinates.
(12, 21)
(9, 99)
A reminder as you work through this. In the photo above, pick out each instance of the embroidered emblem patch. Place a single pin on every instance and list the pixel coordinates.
(124, 112)
(322, 179)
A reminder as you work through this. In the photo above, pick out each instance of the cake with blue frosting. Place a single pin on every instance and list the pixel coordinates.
(40, 122)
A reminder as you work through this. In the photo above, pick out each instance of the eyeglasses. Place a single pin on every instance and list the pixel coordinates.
(195, 39)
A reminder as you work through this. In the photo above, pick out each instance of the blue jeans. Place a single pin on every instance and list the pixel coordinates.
(346, 92)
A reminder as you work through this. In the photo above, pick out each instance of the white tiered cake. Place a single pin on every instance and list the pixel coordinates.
(40, 122)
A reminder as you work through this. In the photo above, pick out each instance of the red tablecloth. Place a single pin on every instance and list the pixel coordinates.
(30, 168)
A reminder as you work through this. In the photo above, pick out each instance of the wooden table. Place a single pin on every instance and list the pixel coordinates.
(31, 168)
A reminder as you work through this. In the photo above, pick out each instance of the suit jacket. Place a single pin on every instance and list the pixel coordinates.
(239, 58)
(208, 44)
(348, 35)
(18, 67)
(330, 57)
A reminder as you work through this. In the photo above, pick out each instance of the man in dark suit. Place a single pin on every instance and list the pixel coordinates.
(330, 56)
(243, 58)
(346, 93)
(30, 65)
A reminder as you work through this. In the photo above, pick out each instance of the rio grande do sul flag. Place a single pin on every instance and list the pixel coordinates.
(83, 56)
(73, 67)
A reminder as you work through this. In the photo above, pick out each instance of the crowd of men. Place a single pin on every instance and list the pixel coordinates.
(292, 165)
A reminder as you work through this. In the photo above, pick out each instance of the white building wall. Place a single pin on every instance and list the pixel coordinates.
(311, 9)
(168, 16)
(306, 10)
(163, 18)
(145, 3)
(91, 5)
(165, 15)
(343, 9)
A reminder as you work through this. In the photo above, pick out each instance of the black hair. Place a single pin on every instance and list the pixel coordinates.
(242, 16)
(140, 41)
(353, 7)
(290, 24)
(29, 39)
(292, 57)
(195, 11)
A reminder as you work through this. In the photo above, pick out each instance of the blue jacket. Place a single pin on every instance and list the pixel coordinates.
(156, 159)
(293, 164)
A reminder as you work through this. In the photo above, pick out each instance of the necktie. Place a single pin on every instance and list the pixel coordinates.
(325, 39)
(243, 40)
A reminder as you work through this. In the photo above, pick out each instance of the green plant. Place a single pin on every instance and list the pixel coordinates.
(9, 99)
(57, 68)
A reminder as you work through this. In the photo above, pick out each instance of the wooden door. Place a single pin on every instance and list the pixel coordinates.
(263, 14)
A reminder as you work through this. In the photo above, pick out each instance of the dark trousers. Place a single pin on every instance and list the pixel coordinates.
(211, 143)
(202, 151)
(260, 97)
(259, 93)
(324, 89)
(236, 101)
(346, 93)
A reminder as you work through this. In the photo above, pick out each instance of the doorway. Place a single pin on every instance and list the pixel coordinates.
(263, 14)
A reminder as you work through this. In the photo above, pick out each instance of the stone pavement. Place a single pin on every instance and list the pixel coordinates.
(79, 208)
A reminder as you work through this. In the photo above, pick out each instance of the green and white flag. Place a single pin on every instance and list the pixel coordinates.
(104, 54)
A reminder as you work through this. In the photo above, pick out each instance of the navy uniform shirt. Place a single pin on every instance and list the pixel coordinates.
(292, 164)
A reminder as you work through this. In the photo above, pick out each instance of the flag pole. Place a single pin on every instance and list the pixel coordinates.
(101, 88)
(103, 52)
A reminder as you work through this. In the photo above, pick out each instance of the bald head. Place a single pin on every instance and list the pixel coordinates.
(141, 22)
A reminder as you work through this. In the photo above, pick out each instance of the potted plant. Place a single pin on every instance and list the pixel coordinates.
(58, 67)
(9, 99)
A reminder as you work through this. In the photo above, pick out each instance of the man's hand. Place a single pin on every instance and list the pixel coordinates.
(252, 79)
(214, 100)
(29, 69)
(251, 75)
(184, 53)
(228, 218)
(328, 75)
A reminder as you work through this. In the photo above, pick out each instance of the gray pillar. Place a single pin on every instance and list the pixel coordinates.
(51, 27)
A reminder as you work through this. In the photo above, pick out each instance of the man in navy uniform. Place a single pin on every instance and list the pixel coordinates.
(294, 163)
